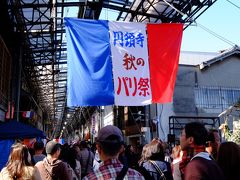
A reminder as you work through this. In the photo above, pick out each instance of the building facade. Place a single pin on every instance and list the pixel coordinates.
(206, 85)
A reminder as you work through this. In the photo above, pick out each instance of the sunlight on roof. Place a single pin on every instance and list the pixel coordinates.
(107, 14)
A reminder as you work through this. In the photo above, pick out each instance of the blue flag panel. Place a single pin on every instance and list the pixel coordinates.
(90, 81)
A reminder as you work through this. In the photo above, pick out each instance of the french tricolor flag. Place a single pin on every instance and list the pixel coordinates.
(121, 63)
(59, 140)
(27, 114)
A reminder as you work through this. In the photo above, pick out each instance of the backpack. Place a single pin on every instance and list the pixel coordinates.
(144, 172)
(71, 171)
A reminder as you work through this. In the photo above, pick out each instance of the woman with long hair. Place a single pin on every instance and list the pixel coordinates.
(228, 159)
(18, 166)
(152, 160)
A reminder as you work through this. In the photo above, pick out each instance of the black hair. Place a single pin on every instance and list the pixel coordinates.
(211, 137)
(228, 160)
(197, 131)
(111, 146)
(83, 144)
(38, 145)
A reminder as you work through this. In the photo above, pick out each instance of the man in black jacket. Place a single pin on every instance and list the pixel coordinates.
(196, 162)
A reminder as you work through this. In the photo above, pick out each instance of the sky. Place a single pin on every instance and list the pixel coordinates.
(222, 18)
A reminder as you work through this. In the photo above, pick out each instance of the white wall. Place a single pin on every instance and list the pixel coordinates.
(163, 113)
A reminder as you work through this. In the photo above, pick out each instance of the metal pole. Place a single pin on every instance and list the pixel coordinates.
(156, 125)
(102, 116)
(19, 83)
(159, 121)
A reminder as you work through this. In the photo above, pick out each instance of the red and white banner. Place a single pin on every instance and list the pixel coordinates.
(136, 65)
(130, 63)
(135, 83)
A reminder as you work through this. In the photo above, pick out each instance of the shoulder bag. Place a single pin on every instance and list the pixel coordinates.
(122, 173)
(158, 169)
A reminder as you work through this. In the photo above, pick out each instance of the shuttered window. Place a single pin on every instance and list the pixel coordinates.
(216, 97)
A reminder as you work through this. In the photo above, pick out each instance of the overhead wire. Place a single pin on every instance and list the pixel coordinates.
(215, 34)
(202, 26)
(233, 4)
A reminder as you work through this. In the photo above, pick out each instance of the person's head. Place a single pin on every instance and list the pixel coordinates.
(76, 147)
(38, 146)
(213, 136)
(109, 142)
(145, 154)
(53, 148)
(19, 158)
(193, 134)
(83, 144)
(64, 153)
(156, 150)
(153, 151)
(213, 142)
(69, 155)
(228, 159)
(129, 149)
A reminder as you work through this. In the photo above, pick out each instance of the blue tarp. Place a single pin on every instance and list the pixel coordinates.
(5, 147)
(18, 130)
(11, 130)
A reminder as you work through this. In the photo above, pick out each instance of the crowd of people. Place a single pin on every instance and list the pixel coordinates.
(199, 155)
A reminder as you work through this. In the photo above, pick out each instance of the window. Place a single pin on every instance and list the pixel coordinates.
(216, 97)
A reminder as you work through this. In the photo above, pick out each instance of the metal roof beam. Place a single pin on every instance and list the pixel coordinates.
(48, 63)
(50, 80)
(42, 75)
(50, 5)
(48, 50)
(123, 9)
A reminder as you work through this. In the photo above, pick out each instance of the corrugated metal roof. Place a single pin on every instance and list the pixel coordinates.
(195, 58)
(235, 50)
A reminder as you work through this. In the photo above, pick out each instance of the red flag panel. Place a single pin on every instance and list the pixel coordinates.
(164, 43)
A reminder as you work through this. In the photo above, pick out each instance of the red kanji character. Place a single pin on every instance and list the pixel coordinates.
(119, 85)
(129, 62)
(125, 79)
(140, 61)
(143, 86)
(135, 86)
(128, 84)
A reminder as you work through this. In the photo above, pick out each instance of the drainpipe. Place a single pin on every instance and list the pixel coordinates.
(19, 83)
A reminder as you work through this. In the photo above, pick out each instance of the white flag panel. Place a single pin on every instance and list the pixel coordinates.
(130, 63)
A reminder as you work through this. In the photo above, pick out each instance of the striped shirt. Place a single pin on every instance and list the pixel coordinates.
(109, 170)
